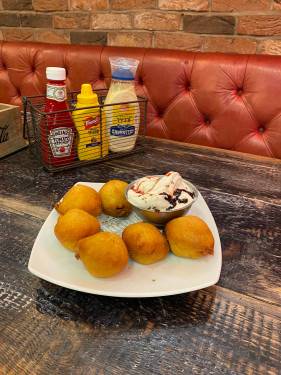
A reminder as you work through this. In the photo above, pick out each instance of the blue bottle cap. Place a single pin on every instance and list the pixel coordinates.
(123, 74)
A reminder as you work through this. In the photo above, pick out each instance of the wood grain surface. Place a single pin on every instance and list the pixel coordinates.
(231, 328)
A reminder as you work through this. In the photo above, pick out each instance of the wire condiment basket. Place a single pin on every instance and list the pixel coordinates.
(99, 147)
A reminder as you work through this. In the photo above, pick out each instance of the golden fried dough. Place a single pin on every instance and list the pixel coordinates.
(75, 225)
(145, 243)
(83, 197)
(113, 198)
(104, 254)
(190, 237)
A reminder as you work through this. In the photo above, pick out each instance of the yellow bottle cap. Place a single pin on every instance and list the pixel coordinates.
(87, 96)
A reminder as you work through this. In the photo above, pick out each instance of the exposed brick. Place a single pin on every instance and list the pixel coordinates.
(230, 45)
(9, 19)
(136, 21)
(239, 5)
(277, 5)
(18, 34)
(178, 41)
(133, 4)
(36, 20)
(43, 5)
(259, 25)
(52, 36)
(88, 37)
(209, 24)
(271, 47)
(195, 5)
(71, 21)
(89, 4)
(111, 21)
(157, 21)
(17, 4)
(131, 39)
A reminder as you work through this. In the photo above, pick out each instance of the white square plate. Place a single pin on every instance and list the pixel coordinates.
(50, 261)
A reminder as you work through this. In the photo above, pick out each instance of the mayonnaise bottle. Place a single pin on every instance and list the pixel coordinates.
(91, 125)
(122, 120)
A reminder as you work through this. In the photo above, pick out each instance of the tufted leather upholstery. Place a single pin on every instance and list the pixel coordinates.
(219, 100)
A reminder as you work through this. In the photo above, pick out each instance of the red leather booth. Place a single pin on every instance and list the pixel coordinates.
(228, 101)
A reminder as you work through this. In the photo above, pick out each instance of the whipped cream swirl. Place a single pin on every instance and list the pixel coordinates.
(161, 193)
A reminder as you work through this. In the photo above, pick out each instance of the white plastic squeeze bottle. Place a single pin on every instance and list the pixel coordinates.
(122, 120)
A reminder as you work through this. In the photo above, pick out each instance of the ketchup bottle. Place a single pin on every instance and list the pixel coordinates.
(57, 129)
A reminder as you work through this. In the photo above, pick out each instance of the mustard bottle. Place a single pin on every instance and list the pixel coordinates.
(91, 125)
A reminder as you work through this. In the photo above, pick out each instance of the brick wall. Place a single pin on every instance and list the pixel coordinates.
(238, 26)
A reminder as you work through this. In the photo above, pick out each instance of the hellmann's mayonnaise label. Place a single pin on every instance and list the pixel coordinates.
(124, 120)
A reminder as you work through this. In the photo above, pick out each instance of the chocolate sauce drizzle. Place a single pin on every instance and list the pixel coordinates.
(176, 198)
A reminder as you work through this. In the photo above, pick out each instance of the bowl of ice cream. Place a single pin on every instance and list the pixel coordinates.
(158, 199)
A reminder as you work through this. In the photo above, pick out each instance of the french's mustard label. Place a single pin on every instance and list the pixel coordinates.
(89, 122)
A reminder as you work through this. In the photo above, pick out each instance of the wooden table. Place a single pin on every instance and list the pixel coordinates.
(230, 328)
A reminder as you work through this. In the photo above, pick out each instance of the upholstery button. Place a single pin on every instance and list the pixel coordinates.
(261, 129)
(140, 81)
(207, 122)
(188, 87)
(160, 114)
(240, 92)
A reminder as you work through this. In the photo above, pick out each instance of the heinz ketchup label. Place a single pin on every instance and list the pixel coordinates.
(60, 140)
(55, 92)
